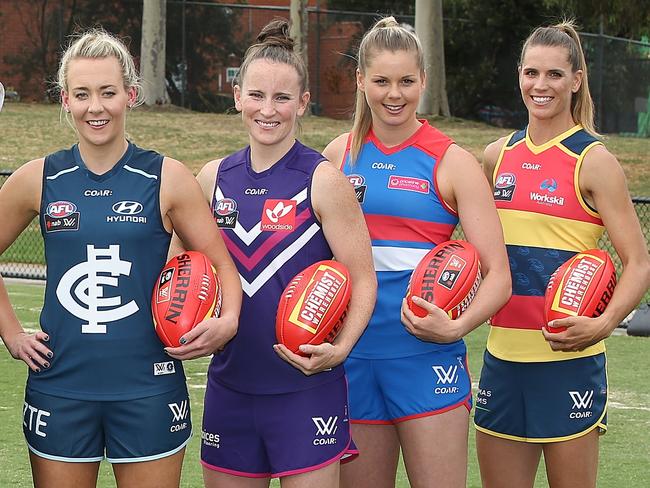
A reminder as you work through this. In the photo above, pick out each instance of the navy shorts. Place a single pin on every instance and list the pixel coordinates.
(129, 431)
(387, 391)
(544, 401)
(262, 436)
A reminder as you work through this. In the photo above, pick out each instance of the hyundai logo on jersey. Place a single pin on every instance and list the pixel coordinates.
(127, 208)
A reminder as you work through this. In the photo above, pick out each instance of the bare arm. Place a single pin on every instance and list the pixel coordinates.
(183, 204)
(463, 187)
(20, 199)
(344, 227)
(335, 150)
(602, 183)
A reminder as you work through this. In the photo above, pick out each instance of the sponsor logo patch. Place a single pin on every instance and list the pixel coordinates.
(582, 402)
(408, 183)
(358, 181)
(504, 187)
(324, 429)
(548, 186)
(279, 215)
(61, 216)
(161, 369)
(180, 413)
(225, 213)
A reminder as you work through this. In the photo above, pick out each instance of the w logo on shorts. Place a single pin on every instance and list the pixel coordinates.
(582, 401)
(179, 410)
(325, 427)
(446, 376)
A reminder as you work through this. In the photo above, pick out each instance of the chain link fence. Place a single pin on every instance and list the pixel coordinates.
(25, 258)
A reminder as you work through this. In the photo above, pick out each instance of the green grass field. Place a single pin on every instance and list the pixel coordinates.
(625, 449)
(33, 130)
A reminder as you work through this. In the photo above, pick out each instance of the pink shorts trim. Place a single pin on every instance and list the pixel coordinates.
(466, 403)
(345, 456)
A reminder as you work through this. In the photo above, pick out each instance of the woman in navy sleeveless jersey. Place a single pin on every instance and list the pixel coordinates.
(280, 207)
(100, 383)
(557, 188)
(409, 383)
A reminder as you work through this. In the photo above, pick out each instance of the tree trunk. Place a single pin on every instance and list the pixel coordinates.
(428, 26)
(299, 30)
(152, 52)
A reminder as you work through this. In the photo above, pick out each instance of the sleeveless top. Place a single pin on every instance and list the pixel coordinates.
(269, 226)
(545, 222)
(406, 217)
(105, 245)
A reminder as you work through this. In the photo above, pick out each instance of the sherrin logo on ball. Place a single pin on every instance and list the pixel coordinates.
(582, 286)
(312, 307)
(448, 276)
(187, 292)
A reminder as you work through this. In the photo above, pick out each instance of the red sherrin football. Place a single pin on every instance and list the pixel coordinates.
(313, 305)
(583, 285)
(187, 292)
(447, 276)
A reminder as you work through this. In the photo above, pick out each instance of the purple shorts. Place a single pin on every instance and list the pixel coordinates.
(262, 436)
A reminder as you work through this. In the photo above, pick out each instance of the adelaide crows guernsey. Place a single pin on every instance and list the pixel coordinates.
(105, 245)
(406, 217)
(268, 224)
(545, 222)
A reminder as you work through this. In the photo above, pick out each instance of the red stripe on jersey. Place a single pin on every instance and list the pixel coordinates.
(521, 312)
(389, 228)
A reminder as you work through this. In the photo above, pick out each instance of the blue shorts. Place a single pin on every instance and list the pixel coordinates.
(542, 402)
(128, 431)
(386, 391)
(262, 436)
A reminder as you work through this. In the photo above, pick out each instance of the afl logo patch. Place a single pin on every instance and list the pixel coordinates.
(504, 187)
(61, 216)
(127, 208)
(358, 181)
(61, 209)
(225, 213)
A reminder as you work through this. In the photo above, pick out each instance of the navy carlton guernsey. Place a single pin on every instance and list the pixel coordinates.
(105, 245)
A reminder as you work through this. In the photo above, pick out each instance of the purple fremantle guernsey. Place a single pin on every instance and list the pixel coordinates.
(268, 224)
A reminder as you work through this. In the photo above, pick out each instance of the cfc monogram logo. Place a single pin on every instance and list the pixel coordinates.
(87, 281)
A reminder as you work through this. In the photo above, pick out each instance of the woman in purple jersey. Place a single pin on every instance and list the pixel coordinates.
(99, 84)
(281, 207)
(556, 404)
(387, 412)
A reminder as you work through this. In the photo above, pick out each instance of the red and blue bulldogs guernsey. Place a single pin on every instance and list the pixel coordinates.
(105, 245)
(268, 224)
(545, 222)
(406, 218)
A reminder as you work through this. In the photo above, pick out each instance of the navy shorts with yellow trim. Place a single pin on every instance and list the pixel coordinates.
(129, 431)
(543, 401)
(387, 391)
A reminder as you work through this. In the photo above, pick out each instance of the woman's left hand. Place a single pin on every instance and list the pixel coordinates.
(322, 357)
(207, 337)
(436, 326)
(580, 333)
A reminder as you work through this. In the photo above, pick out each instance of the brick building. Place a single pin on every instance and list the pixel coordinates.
(28, 50)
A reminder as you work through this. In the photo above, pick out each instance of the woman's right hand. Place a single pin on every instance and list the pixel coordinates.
(31, 349)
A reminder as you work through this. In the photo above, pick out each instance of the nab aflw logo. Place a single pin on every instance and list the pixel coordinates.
(84, 284)
(325, 428)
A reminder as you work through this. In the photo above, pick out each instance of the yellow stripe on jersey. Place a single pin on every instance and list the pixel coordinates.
(529, 346)
(523, 228)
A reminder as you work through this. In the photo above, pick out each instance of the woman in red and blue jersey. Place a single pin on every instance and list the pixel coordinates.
(557, 189)
(409, 383)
